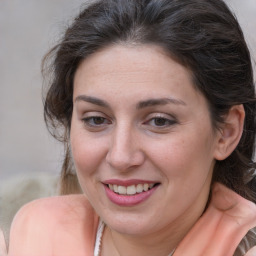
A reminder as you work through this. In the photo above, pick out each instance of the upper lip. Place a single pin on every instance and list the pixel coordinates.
(128, 182)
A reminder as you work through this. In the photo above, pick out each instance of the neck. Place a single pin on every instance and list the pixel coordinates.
(161, 244)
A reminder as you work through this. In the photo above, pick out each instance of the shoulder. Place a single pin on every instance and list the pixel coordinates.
(53, 211)
(56, 223)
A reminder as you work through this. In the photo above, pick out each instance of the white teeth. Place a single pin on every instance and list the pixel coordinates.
(115, 188)
(131, 190)
(122, 190)
(139, 188)
(145, 187)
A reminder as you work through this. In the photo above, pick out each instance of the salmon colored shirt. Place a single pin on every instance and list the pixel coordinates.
(67, 225)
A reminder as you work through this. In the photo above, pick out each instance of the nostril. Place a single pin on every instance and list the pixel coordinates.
(124, 160)
(124, 150)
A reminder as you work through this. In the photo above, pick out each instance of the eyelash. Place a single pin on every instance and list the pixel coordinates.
(91, 121)
(156, 122)
(164, 122)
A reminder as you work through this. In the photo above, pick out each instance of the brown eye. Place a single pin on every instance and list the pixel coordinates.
(160, 121)
(96, 121)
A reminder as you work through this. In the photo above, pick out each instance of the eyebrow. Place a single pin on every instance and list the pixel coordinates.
(92, 100)
(161, 101)
(140, 105)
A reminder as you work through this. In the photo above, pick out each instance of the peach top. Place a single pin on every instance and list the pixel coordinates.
(67, 225)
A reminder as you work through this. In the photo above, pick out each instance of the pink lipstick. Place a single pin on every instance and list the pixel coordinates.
(129, 192)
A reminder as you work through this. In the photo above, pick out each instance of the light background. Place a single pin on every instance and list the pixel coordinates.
(29, 28)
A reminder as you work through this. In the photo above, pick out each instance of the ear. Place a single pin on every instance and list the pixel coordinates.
(230, 132)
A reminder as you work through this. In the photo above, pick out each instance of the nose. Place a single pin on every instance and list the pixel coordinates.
(125, 152)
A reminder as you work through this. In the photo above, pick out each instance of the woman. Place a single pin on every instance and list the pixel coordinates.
(157, 102)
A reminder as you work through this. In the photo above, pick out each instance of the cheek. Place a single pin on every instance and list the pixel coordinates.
(87, 152)
(185, 156)
(186, 165)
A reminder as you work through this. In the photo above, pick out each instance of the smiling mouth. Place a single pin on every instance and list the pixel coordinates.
(132, 189)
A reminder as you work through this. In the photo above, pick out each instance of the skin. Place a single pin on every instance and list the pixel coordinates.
(173, 144)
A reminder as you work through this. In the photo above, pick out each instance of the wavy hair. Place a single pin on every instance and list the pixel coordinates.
(202, 35)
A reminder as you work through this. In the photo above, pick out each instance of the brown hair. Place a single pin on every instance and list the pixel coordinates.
(203, 35)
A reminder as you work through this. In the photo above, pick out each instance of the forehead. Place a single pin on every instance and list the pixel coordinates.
(130, 70)
(119, 56)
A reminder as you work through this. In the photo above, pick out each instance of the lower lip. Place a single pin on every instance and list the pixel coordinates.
(124, 200)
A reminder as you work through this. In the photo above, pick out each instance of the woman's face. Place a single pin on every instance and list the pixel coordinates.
(139, 127)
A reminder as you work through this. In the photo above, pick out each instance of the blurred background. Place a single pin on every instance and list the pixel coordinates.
(30, 159)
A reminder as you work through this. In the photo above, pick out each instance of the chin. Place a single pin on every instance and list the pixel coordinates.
(130, 224)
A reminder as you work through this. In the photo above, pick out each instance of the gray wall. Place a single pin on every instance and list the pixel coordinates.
(28, 28)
